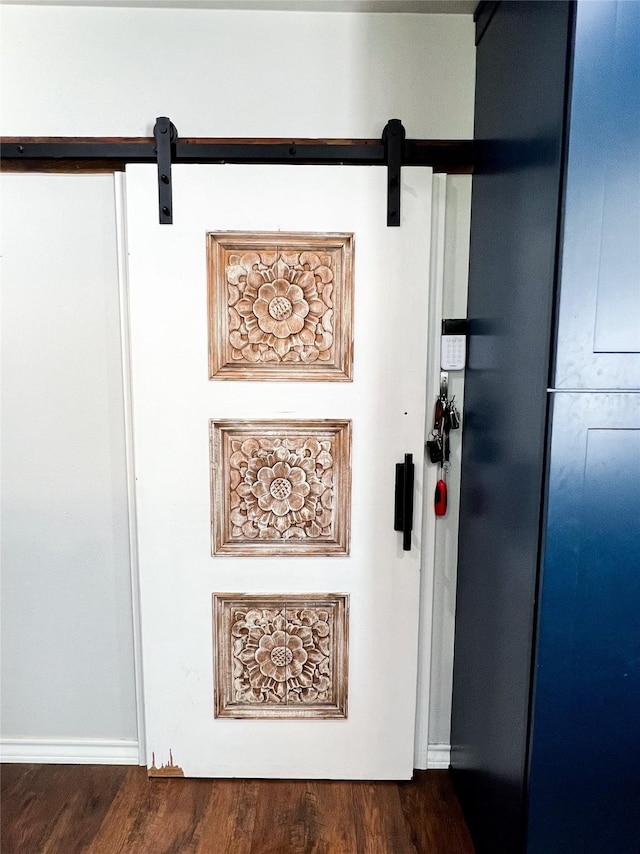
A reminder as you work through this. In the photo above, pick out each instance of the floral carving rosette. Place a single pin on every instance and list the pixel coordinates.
(278, 657)
(281, 494)
(280, 309)
(281, 488)
(280, 306)
(281, 656)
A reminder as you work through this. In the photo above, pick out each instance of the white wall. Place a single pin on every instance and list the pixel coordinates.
(454, 304)
(106, 71)
(67, 664)
(111, 71)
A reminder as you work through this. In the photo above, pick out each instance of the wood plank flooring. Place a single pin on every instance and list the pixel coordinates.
(82, 809)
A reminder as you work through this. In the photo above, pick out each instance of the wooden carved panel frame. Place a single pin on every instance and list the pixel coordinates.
(280, 306)
(280, 656)
(281, 487)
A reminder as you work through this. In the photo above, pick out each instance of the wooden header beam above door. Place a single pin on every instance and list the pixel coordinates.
(105, 154)
(110, 154)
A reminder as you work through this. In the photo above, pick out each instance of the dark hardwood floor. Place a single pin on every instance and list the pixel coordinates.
(91, 809)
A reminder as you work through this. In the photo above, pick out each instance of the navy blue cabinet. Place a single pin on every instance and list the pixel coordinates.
(584, 763)
(546, 696)
(584, 786)
(598, 343)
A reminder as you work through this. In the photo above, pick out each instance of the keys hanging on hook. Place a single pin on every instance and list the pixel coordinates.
(440, 501)
(434, 444)
(434, 449)
(454, 415)
(446, 418)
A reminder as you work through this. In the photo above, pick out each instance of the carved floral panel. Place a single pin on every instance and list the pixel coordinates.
(280, 306)
(280, 656)
(281, 487)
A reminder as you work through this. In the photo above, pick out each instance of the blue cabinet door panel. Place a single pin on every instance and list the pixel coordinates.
(599, 315)
(584, 784)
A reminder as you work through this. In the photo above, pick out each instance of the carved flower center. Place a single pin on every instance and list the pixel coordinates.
(280, 308)
(281, 656)
(280, 488)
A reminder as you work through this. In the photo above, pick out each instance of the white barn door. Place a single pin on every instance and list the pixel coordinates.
(279, 347)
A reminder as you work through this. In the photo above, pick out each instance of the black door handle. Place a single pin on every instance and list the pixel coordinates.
(403, 516)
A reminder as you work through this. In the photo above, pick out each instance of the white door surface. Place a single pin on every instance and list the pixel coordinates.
(279, 611)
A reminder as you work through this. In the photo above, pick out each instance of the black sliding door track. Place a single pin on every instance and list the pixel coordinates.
(100, 154)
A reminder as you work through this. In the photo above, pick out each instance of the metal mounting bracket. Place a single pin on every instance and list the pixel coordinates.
(165, 135)
(393, 137)
(444, 385)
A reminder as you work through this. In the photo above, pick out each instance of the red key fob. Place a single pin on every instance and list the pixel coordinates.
(440, 502)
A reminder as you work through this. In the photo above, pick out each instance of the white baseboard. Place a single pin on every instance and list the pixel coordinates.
(74, 751)
(79, 751)
(438, 756)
